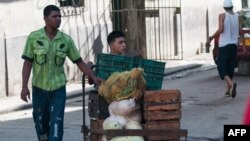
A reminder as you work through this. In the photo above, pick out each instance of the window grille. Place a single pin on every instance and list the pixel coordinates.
(74, 3)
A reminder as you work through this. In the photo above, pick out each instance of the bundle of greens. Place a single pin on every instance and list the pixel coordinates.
(123, 85)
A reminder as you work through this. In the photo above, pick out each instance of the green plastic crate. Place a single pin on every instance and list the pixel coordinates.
(107, 64)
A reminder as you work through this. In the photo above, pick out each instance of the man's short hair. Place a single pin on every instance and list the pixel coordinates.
(47, 10)
(113, 35)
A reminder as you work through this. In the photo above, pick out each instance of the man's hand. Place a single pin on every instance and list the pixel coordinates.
(208, 42)
(25, 94)
(97, 80)
(91, 66)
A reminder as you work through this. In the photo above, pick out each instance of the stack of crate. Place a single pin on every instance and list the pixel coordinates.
(96, 124)
(98, 112)
(106, 65)
(162, 110)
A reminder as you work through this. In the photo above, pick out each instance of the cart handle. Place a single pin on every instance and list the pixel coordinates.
(85, 129)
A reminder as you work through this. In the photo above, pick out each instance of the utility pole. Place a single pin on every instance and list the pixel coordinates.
(6, 66)
(130, 16)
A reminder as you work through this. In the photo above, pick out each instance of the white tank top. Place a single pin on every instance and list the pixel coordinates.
(230, 33)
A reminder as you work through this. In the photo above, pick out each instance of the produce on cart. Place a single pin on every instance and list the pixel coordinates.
(124, 107)
(123, 90)
(123, 85)
(124, 114)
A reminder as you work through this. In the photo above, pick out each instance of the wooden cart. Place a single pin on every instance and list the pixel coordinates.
(161, 117)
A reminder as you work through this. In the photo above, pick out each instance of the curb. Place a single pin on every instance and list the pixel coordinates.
(77, 93)
(191, 70)
(24, 106)
(170, 71)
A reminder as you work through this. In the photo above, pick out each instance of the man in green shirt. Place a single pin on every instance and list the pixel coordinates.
(45, 53)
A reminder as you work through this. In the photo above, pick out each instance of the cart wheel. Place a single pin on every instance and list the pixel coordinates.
(87, 138)
(85, 132)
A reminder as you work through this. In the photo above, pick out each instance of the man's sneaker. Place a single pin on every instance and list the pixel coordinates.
(227, 94)
(233, 91)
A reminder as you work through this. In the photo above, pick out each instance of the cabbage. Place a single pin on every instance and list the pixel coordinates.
(113, 108)
(124, 138)
(133, 125)
(135, 138)
(126, 106)
(111, 124)
(135, 116)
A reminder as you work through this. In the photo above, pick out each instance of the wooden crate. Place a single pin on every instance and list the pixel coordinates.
(162, 95)
(171, 124)
(161, 115)
(162, 105)
(97, 106)
(162, 110)
(95, 124)
(165, 124)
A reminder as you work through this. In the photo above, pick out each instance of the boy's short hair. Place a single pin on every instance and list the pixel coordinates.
(47, 10)
(113, 35)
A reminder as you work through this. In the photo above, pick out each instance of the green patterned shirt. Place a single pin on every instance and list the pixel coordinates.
(48, 57)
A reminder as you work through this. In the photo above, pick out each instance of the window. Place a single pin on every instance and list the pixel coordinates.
(245, 3)
(74, 3)
(72, 7)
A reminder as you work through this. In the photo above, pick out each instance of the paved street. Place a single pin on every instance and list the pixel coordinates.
(204, 109)
(19, 126)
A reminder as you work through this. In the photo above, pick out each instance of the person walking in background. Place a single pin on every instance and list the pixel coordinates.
(44, 53)
(228, 32)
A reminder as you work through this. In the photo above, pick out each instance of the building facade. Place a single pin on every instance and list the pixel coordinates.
(175, 29)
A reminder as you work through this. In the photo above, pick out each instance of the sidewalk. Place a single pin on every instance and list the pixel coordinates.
(196, 63)
(14, 103)
(204, 61)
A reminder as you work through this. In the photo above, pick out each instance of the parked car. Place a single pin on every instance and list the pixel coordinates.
(244, 41)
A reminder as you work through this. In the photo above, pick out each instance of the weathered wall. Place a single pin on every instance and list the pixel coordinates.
(14, 64)
(19, 17)
(89, 31)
